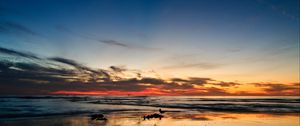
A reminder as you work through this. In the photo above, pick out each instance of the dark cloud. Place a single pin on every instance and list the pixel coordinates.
(199, 81)
(118, 68)
(279, 89)
(179, 80)
(176, 86)
(132, 84)
(83, 69)
(16, 53)
(14, 75)
(152, 81)
(226, 84)
(30, 74)
(81, 78)
(297, 84)
(179, 83)
(42, 69)
(68, 62)
(192, 80)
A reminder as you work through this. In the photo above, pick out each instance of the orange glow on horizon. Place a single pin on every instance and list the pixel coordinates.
(154, 91)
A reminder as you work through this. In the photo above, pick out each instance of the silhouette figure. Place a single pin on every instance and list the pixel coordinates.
(155, 115)
(98, 117)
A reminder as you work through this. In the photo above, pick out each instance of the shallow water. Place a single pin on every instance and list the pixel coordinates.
(176, 119)
(128, 111)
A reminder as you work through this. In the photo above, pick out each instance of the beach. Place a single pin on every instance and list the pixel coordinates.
(149, 63)
(182, 119)
(129, 111)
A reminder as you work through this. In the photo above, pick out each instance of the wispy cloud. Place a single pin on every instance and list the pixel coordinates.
(110, 42)
(114, 43)
(17, 53)
(10, 27)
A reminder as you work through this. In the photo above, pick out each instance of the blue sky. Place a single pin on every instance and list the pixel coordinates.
(227, 39)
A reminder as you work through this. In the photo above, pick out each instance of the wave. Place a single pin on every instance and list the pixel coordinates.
(33, 106)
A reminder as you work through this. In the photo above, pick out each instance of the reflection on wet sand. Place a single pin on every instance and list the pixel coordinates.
(171, 119)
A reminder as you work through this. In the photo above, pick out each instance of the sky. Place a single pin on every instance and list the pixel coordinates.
(149, 47)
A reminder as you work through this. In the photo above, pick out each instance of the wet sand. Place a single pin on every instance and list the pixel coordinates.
(135, 118)
(129, 111)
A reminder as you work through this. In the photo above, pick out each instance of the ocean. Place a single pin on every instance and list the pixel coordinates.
(15, 110)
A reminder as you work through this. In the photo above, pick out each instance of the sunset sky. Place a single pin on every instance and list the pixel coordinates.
(149, 47)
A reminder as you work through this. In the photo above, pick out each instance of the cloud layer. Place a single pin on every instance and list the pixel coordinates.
(27, 73)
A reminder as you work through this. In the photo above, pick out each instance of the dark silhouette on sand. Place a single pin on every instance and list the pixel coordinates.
(98, 117)
(161, 111)
(155, 115)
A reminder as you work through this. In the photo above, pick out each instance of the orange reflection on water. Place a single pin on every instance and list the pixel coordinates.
(170, 119)
(213, 119)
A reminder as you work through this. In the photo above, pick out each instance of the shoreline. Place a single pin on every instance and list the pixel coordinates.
(135, 118)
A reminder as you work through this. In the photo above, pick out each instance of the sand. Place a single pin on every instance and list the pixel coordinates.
(134, 118)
